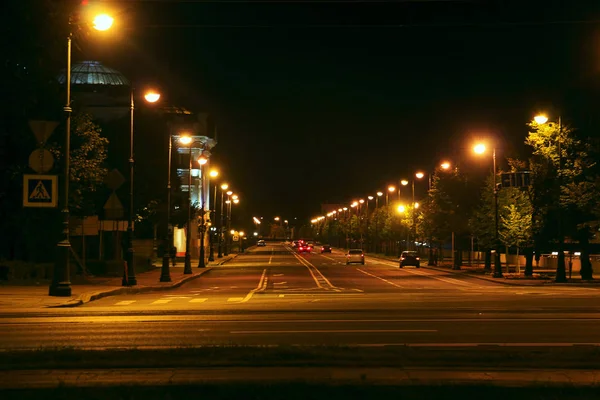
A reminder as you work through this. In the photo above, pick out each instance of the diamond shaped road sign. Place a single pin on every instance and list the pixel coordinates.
(42, 130)
(114, 179)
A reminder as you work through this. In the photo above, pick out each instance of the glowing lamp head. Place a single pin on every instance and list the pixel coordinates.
(445, 165)
(361, 201)
(540, 119)
(479, 148)
(202, 160)
(235, 201)
(401, 208)
(152, 96)
(235, 197)
(229, 193)
(103, 22)
(370, 197)
(213, 173)
(419, 175)
(392, 188)
(224, 186)
(379, 194)
(404, 182)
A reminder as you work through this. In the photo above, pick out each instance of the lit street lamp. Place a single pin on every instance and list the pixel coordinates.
(480, 148)
(213, 216)
(202, 227)
(561, 272)
(224, 187)
(61, 280)
(228, 219)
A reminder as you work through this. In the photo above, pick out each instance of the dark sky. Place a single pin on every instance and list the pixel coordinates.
(326, 101)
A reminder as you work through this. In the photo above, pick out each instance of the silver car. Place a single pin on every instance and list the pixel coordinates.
(355, 256)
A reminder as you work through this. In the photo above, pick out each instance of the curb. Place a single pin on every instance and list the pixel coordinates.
(227, 260)
(91, 296)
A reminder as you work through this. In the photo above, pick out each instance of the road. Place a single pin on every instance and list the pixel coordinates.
(271, 295)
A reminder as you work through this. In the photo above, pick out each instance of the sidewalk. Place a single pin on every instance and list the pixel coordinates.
(20, 297)
(540, 276)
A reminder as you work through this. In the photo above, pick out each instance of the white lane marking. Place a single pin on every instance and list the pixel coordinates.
(428, 275)
(279, 283)
(312, 269)
(380, 278)
(343, 331)
(125, 302)
(270, 259)
(198, 300)
(281, 295)
(236, 299)
(162, 301)
(329, 258)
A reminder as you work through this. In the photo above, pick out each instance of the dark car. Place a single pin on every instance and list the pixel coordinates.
(410, 258)
(326, 248)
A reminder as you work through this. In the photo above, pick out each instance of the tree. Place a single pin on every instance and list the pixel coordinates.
(516, 227)
(565, 181)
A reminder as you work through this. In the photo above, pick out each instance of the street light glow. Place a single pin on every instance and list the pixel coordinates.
(235, 196)
(235, 201)
(103, 22)
(256, 220)
(224, 186)
(361, 201)
(152, 96)
(379, 194)
(185, 139)
(229, 193)
(345, 208)
(540, 119)
(445, 165)
(401, 208)
(202, 160)
(340, 210)
(392, 188)
(404, 182)
(370, 197)
(479, 148)
(419, 175)
(276, 218)
(213, 173)
(416, 205)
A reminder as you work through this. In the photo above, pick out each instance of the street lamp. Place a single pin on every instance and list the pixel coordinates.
(224, 187)
(561, 273)
(187, 269)
(480, 148)
(445, 165)
(391, 189)
(213, 216)
(228, 218)
(129, 275)
(202, 228)
(61, 280)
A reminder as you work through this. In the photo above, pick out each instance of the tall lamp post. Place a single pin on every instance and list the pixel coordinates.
(202, 227)
(228, 220)
(165, 273)
(129, 278)
(480, 149)
(561, 272)
(224, 187)
(61, 279)
(211, 253)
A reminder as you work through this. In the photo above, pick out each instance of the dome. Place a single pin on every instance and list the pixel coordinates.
(94, 73)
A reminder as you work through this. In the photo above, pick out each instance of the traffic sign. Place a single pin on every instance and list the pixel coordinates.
(113, 208)
(42, 130)
(40, 190)
(41, 161)
(236, 238)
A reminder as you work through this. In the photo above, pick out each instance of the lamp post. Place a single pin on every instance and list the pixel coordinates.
(187, 269)
(61, 280)
(129, 278)
(202, 227)
(165, 274)
(221, 223)
(213, 216)
(391, 189)
(480, 149)
(561, 272)
(228, 216)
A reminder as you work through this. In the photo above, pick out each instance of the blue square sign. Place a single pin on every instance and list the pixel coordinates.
(40, 190)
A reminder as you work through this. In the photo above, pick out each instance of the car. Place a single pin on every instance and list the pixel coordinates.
(304, 248)
(355, 256)
(326, 248)
(410, 258)
(261, 243)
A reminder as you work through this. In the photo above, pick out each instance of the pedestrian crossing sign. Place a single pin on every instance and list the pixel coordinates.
(40, 190)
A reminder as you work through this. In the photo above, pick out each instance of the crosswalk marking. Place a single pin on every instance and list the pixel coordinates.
(198, 300)
(162, 301)
(236, 299)
(124, 302)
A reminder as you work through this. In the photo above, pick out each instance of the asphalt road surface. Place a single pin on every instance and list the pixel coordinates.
(272, 295)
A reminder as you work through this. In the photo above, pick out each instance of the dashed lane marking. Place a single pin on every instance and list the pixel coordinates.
(125, 302)
(439, 278)
(235, 299)
(198, 300)
(162, 301)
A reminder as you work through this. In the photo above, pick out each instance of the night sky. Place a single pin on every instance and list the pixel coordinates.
(326, 101)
